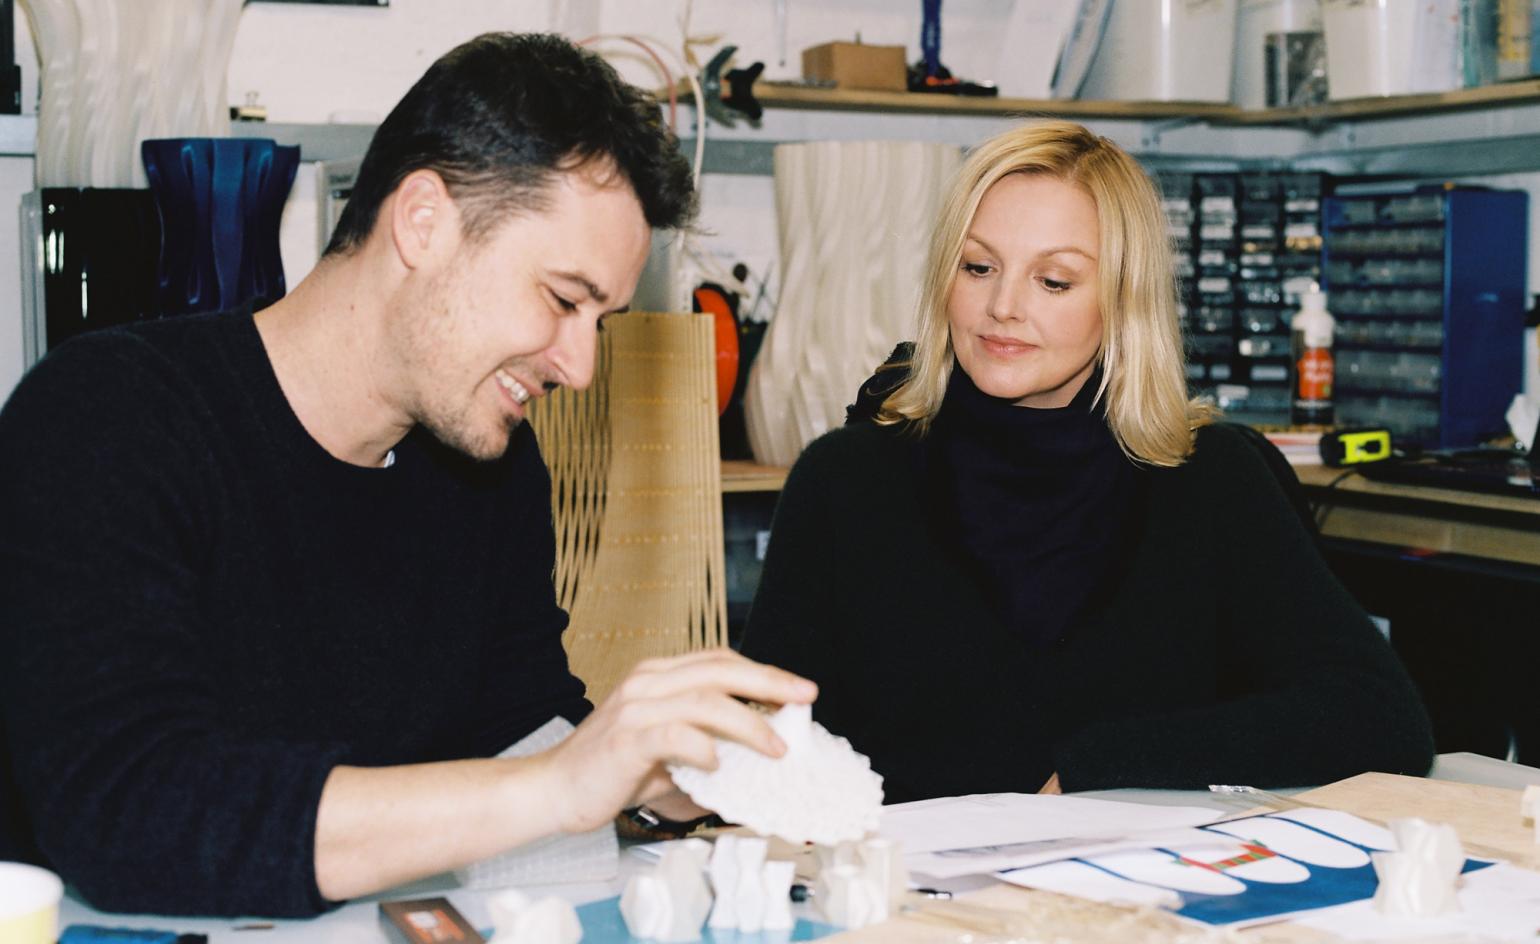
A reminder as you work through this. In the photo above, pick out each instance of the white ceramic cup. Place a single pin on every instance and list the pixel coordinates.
(29, 904)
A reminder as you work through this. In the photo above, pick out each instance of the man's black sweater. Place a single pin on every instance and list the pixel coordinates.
(1225, 652)
(202, 613)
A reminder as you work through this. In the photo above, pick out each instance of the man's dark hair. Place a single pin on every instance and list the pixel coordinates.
(499, 116)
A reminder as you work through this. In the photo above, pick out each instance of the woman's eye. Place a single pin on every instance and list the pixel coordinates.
(1056, 286)
(563, 304)
(976, 268)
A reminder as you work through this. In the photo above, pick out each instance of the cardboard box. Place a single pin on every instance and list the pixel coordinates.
(856, 66)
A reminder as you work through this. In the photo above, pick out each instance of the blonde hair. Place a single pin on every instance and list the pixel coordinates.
(1143, 376)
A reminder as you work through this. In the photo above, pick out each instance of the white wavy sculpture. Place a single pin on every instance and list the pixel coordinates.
(523, 919)
(861, 883)
(855, 219)
(669, 903)
(1419, 878)
(820, 790)
(114, 74)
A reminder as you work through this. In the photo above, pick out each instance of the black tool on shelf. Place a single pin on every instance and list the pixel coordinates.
(738, 100)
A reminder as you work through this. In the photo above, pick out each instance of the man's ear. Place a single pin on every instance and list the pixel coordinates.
(424, 221)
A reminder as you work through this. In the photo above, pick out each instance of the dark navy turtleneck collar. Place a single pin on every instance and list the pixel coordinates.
(1040, 500)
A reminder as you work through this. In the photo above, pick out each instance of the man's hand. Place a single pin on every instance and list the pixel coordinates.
(667, 711)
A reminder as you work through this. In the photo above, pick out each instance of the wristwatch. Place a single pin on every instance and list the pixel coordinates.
(641, 822)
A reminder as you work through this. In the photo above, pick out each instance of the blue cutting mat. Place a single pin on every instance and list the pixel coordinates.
(603, 924)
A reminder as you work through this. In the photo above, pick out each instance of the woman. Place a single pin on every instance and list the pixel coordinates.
(1030, 563)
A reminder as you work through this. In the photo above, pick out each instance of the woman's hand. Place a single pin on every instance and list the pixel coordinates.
(667, 711)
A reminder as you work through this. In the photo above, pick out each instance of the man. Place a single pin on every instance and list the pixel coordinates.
(268, 581)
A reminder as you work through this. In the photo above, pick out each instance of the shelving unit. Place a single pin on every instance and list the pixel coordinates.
(331, 142)
(785, 95)
(776, 95)
(741, 475)
(1429, 292)
(1523, 92)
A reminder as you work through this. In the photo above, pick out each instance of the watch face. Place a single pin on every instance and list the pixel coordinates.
(643, 823)
(644, 817)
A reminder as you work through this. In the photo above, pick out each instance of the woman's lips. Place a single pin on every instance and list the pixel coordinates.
(1005, 347)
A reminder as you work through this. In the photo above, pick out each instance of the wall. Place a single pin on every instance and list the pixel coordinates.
(306, 63)
(311, 64)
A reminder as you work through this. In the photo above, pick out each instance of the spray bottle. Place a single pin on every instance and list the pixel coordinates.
(1313, 365)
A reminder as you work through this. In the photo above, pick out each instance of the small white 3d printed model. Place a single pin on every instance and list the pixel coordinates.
(749, 891)
(1418, 880)
(776, 880)
(669, 902)
(861, 884)
(520, 919)
(849, 899)
(724, 882)
(819, 791)
(737, 876)
(752, 894)
(1529, 807)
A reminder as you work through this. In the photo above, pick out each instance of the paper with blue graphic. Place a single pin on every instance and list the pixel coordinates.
(1252, 870)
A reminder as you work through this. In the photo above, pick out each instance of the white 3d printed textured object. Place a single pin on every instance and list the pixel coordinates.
(724, 882)
(520, 919)
(749, 889)
(854, 220)
(669, 902)
(819, 791)
(775, 879)
(752, 895)
(849, 898)
(1418, 880)
(861, 884)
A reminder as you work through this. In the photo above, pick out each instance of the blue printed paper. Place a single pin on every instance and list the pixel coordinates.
(1258, 868)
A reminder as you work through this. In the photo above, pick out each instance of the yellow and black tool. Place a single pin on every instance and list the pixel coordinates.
(1353, 446)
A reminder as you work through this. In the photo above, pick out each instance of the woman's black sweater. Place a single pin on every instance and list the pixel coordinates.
(1224, 652)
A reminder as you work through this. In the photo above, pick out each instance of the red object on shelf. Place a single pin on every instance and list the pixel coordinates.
(712, 301)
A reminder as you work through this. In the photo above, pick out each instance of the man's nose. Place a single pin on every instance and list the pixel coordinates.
(573, 354)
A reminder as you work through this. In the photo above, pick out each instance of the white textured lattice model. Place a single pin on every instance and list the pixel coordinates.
(820, 790)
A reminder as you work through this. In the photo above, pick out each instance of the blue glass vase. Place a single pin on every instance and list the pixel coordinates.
(220, 202)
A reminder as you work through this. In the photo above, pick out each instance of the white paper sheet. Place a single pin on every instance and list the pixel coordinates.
(1309, 865)
(991, 859)
(1501, 902)
(993, 828)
